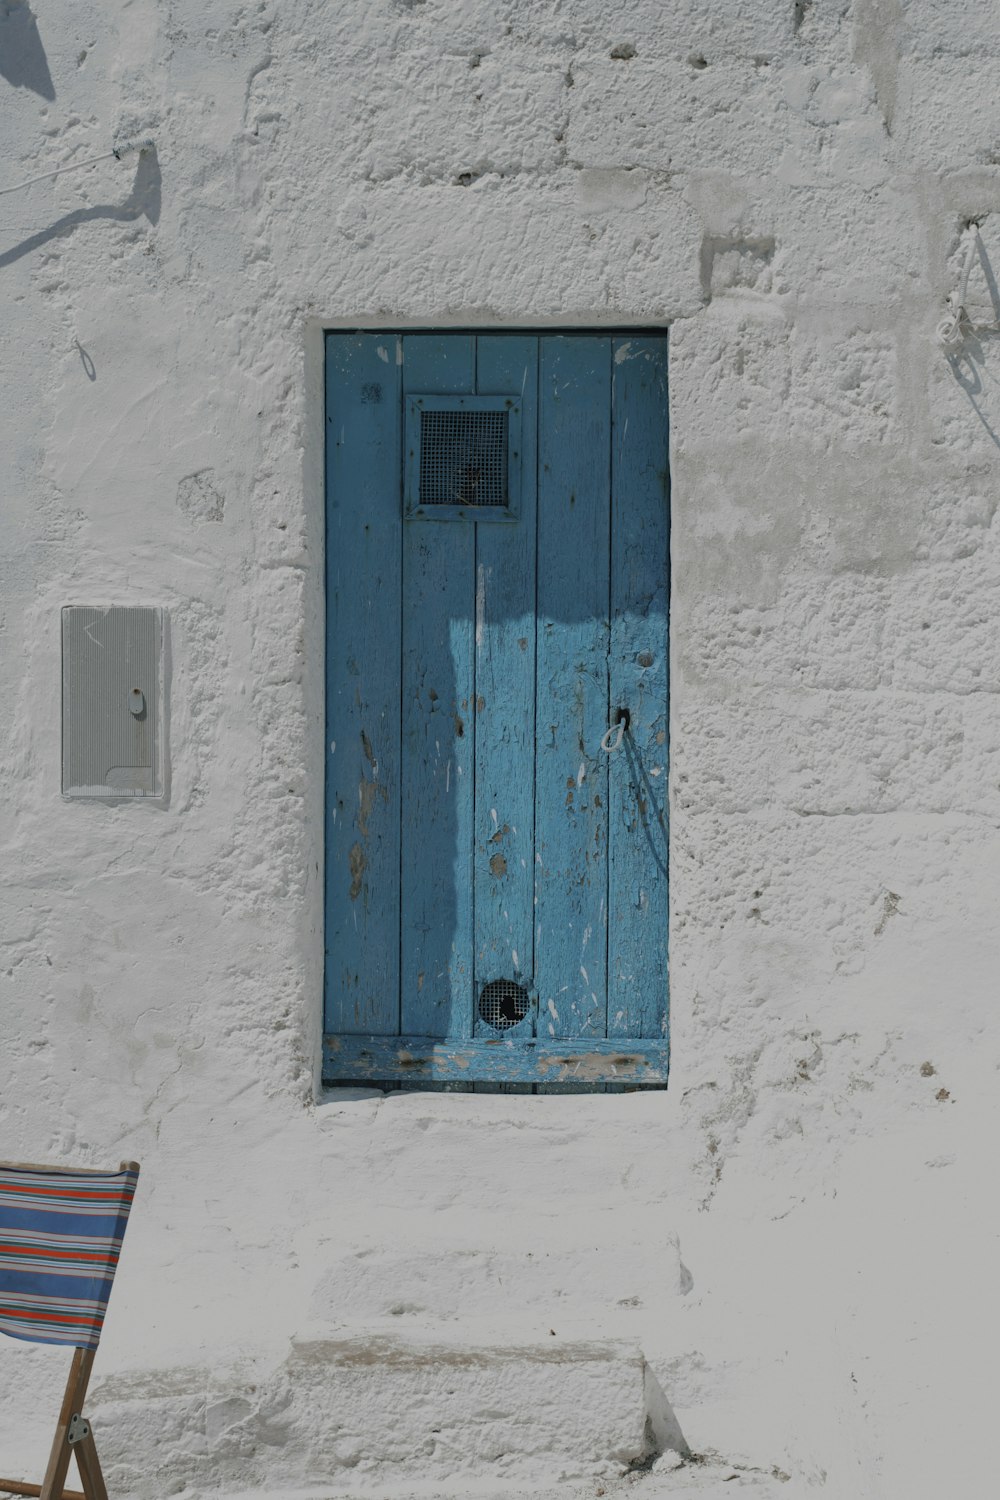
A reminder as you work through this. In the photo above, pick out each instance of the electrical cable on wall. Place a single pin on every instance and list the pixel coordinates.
(126, 148)
(949, 330)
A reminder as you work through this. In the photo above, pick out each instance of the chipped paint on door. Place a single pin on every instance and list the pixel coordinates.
(477, 830)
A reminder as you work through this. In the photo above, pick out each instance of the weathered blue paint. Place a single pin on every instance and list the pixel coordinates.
(486, 834)
(437, 738)
(571, 702)
(505, 691)
(362, 703)
(544, 1062)
(637, 824)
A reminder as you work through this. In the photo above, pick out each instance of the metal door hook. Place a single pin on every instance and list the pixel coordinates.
(613, 737)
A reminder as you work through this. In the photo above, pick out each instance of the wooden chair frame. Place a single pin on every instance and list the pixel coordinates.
(73, 1435)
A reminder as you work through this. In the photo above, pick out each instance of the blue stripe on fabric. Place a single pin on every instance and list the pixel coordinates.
(25, 1268)
(41, 1284)
(84, 1226)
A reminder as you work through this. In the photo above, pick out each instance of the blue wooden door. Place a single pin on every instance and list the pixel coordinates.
(497, 588)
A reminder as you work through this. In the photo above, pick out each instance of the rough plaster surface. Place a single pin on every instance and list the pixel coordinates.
(788, 1260)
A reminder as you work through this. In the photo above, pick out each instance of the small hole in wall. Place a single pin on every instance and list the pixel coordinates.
(698, 61)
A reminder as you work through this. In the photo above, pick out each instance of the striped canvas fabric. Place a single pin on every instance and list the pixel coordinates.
(60, 1237)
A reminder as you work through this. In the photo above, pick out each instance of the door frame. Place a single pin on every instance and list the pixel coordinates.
(435, 1063)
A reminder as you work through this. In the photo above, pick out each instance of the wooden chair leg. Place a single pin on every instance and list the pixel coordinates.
(90, 1468)
(52, 1486)
(20, 1487)
(76, 1390)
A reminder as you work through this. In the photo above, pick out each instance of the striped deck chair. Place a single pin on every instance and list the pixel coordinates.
(60, 1236)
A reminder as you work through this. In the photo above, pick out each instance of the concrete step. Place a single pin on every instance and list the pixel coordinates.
(717, 1483)
(359, 1412)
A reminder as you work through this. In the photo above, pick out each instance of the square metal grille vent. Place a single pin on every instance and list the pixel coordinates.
(462, 458)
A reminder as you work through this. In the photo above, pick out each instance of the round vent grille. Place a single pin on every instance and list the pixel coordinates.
(502, 1003)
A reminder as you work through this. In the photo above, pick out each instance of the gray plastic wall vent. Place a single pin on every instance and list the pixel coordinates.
(112, 702)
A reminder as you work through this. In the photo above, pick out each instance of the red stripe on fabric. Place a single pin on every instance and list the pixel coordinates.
(28, 1252)
(93, 1195)
(20, 1313)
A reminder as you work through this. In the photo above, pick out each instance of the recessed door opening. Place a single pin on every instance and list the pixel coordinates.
(496, 902)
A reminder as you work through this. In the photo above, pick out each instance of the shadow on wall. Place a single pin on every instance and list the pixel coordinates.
(22, 57)
(969, 363)
(142, 202)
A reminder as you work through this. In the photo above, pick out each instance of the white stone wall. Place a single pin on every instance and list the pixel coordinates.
(788, 1257)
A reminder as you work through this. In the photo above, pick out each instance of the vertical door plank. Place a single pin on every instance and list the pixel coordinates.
(637, 833)
(363, 750)
(505, 698)
(572, 685)
(437, 735)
